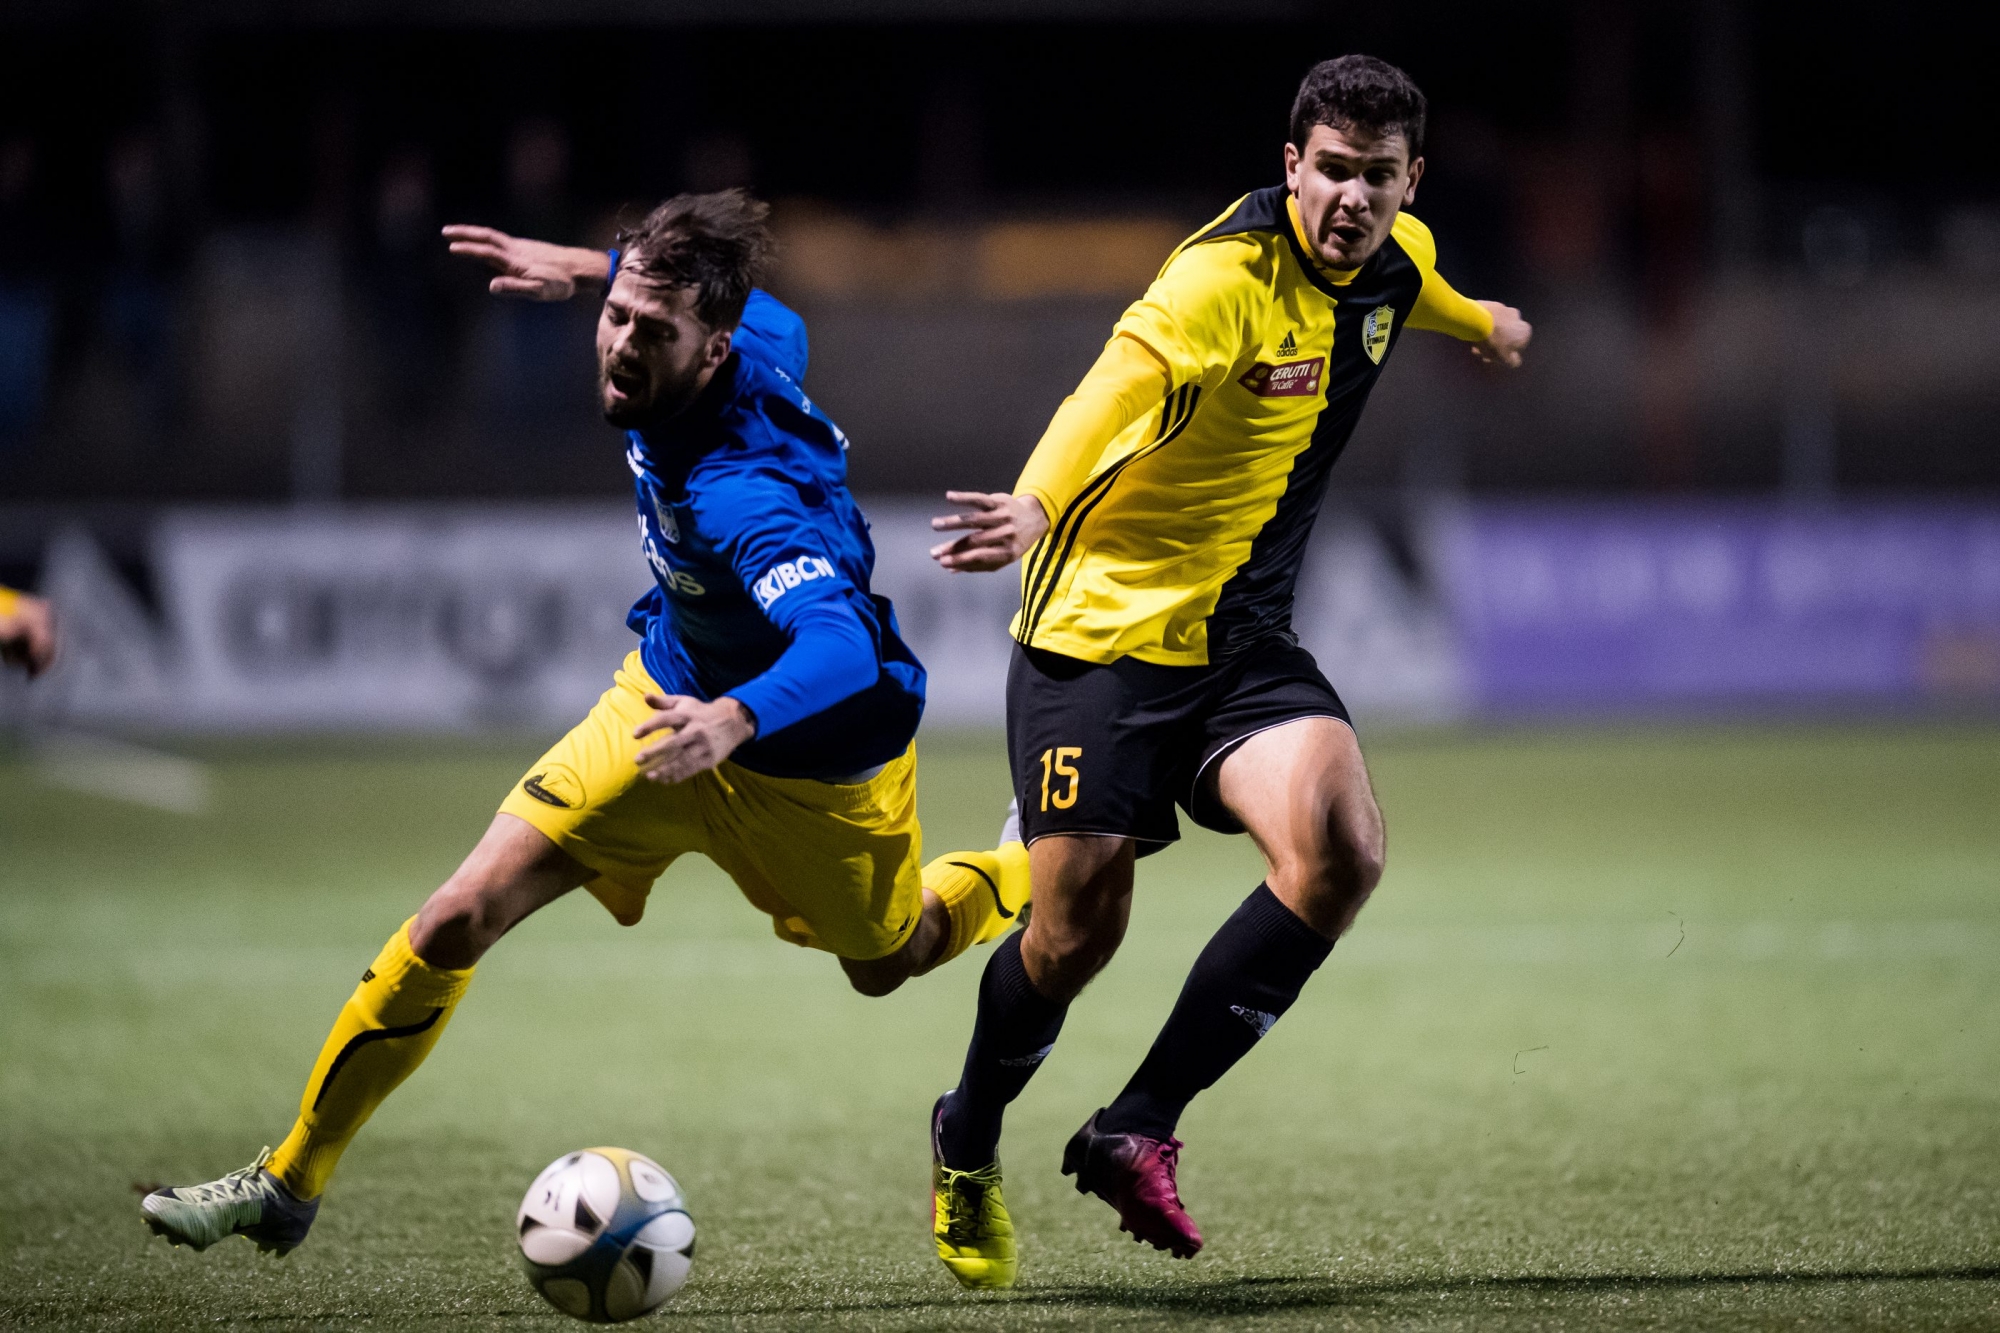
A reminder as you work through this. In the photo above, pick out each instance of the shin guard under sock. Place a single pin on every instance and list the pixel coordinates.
(982, 894)
(1246, 977)
(1016, 1029)
(384, 1031)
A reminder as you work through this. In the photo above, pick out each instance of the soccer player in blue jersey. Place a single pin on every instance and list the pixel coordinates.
(765, 721)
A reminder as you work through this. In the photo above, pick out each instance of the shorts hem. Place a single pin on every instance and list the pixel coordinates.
(580, 850)
(1096, 833)
(1222, 752)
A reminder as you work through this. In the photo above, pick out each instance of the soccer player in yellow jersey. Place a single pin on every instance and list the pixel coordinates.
(1161, 523)
(27, 631)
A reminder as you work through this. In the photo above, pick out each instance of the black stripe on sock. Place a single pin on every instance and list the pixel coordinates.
(361, 1039)
(998, 905)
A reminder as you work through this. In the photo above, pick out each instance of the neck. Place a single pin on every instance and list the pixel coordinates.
(687, 405)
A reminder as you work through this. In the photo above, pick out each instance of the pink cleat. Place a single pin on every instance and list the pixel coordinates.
(1135, 1175)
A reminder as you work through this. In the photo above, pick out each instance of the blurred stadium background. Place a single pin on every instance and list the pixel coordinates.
(265, 435)
(1680, 646)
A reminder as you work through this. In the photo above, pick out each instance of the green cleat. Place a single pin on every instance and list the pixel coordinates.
(249, 1202)
(969, 1222)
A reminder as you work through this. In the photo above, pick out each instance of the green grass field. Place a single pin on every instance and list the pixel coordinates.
(1645, 1028)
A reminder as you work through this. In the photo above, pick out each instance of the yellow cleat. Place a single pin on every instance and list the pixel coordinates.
(969, 1222)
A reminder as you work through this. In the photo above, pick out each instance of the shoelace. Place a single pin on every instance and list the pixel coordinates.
(1170, 1157)
(966, 1194)
(231, 1187)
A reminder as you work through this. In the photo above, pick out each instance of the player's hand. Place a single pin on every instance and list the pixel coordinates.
(534, 269)
(999, 528)
(1509, 337)
(699, 735)
(28, 635)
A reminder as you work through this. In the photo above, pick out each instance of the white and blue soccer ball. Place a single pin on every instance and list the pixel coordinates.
(605, 1235)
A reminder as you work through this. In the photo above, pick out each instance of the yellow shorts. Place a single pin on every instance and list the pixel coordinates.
(837, 866)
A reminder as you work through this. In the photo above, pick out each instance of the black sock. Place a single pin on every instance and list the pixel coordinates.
(1245, 979)
(1016, 1028)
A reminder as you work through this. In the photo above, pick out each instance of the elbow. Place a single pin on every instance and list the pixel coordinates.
(843, 653)
(856, 672)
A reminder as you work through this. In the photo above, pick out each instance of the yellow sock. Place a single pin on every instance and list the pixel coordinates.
(982, 891)
(384, 1031)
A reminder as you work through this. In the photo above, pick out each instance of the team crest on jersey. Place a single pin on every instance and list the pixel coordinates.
(1286, 379)
(665, 513)
(1375, 332)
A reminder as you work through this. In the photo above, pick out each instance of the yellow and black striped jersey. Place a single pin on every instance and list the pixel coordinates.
(1178, 538)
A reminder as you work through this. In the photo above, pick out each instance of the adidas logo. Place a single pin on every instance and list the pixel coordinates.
(1290, 346)
(1030, 1061)
(1256, 1018)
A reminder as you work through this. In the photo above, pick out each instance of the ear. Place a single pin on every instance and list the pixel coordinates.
(717, 350)
(1416, 174)
(1292, 161)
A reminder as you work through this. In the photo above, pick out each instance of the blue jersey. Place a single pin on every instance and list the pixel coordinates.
(762, 560)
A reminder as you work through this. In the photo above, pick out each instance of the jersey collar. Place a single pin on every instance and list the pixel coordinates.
(697, 428)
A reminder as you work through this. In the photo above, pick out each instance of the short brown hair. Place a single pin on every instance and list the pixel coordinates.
(1359, 93)
(718, 244)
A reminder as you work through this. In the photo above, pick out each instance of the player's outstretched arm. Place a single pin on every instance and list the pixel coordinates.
(999, 528)
(536, 270)
(27, 631)
(1127, 382)
(1509, 339)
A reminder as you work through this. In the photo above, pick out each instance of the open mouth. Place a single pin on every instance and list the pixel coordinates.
(623, 387)
(1346, 234)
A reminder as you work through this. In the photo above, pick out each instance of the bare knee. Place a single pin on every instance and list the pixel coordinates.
(459, 923)
(1328, 883)
(515, 870)
(1061, 959)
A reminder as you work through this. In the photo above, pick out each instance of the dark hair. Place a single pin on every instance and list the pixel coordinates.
(1359, 93)
(717, 244)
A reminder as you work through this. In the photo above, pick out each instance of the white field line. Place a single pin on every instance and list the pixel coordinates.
(100, 766)
(1635, 949)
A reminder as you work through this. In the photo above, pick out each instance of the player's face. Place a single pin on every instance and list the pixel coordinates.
(653, 352)
(1350, 184)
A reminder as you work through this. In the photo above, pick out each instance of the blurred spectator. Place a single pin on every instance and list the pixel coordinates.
(537, 362)
(538, 201)
(1672, 211)
(27, 307)
(408, 328)
(135, 324)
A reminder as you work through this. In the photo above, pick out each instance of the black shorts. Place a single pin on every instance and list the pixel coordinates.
(1113, 748)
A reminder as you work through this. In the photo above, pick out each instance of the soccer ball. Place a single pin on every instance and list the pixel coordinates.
(605, 1235)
